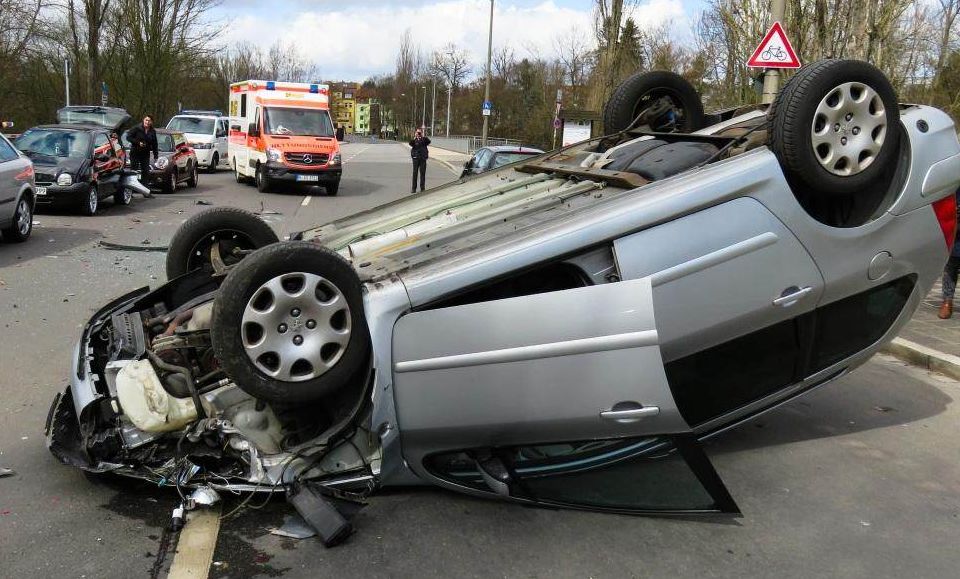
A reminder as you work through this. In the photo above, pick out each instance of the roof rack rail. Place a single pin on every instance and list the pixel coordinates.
(213, 113)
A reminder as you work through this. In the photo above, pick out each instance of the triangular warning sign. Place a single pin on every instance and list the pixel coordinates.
(774, 51)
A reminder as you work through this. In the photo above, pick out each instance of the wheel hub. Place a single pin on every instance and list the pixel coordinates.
(296, 326)
(849, 129)
(24, 219)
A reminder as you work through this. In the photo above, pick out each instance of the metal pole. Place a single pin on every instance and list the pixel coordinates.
(449, 96)
(771, 80)
(66, 78)
(423, 119)
(486, 93)
(413, 117)
(433, 107)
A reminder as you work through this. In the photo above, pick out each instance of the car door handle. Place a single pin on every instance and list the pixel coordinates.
(631, 414)
(791, 295)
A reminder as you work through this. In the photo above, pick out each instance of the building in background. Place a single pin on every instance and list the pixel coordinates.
(362, 119)
(343, 104)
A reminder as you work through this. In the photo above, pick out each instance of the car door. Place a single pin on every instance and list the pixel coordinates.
(221, 138)
(734, 291)
(556, 398)
(10, 168)
(106, 164)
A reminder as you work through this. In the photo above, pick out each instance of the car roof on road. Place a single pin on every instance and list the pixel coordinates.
(513, 149)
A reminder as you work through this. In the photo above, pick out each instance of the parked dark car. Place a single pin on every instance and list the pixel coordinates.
(17, 193)
(78, 161)
(488, 158)
(177, 162)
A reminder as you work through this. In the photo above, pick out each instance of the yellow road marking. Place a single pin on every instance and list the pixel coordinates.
(195, 547)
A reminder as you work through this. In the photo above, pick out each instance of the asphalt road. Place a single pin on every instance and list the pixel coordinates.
(860, 478)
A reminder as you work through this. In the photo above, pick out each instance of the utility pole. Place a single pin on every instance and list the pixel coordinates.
(771, 79)
(486, 93)
(449, 97)
(66, 78)
(423, 120)
(433, 106)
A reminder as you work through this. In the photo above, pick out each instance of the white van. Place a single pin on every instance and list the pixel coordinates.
(206, 131)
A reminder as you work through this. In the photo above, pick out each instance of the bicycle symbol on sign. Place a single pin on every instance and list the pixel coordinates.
(774, 53)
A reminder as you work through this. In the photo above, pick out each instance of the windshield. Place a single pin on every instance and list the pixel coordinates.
(164, 143)
(54, 143)
(502, 159)
(302, 122)
(196, 125)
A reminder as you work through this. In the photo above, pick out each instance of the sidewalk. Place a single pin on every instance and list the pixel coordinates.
(928, 341)
(452, 160)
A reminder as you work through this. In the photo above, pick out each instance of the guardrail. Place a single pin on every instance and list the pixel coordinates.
(469, 143)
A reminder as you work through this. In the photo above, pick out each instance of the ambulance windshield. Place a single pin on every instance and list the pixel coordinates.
(298, 122)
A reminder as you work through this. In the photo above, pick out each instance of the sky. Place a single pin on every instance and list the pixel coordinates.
(351, 40)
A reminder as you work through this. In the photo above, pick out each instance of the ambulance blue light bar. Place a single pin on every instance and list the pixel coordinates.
(271, 85)
(314, 88)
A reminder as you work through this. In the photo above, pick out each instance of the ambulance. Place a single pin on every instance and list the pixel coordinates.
(281, 133)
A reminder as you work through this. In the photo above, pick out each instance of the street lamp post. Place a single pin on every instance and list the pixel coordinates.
(771, 80)
(486, 93)
(423, 119)
(433, 106)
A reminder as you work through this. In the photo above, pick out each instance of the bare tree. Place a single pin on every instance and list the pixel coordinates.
(452, 66)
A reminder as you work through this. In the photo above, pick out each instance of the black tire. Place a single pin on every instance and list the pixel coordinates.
(90, 205)
(123, 197)
(644, 89)
(234, 295)
(214, 163)
(22, 224)
(236, 174)
(795, 110)
(194, 177)
(170, 182)
(333, 188)
(262, 181)
(190, 245)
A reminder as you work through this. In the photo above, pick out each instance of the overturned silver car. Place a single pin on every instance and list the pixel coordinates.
(561, 331)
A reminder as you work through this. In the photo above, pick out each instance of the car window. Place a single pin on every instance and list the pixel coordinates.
(165, 142)
(7, 152)
(483, 157)
(502, 159)
(178, 140)
(102, 145)
(196, 125)
(640, 474)
(54, 143)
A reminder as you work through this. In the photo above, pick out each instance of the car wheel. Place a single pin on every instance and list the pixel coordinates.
(170, 182)
(92, 202)
(194, 177)
(236, 173)
(659, 101)
(332, 188)
(263, 182)
(214, 163)
(123, 197)
(231, 230)
(288, 323)
(835, 128)
(22, 225)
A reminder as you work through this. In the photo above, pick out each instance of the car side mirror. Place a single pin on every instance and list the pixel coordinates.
(253, 130)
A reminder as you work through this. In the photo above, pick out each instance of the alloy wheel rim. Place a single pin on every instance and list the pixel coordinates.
(127, 196)
(24, 218)
(92, 200)
(849, 129)
(296, 327)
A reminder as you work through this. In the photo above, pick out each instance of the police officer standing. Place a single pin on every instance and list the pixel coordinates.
(419, 154)
(143, 143)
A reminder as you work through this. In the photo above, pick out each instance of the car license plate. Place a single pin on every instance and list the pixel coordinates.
(41, 191)
(308, 177)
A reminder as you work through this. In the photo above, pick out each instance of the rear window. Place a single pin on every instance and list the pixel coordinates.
(195, 125)
(502, 159)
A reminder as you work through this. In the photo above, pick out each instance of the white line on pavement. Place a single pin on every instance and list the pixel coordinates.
(198, 539)
(306, 201)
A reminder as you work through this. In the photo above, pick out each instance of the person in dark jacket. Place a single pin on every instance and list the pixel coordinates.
(419, 153)
(950, 275)
(143, 144)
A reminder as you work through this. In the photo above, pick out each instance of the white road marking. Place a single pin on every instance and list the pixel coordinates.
(306, 201)
(198, 539)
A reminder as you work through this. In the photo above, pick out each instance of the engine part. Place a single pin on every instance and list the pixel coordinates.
(147, 404)
(202, 318)
(128, 337)
(255, 422)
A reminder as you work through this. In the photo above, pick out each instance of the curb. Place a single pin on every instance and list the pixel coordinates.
(446, 164)
(924, 357)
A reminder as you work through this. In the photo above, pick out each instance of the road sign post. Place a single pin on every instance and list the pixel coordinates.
(773, 53)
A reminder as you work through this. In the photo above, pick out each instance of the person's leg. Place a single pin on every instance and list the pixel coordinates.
(413, 186)
(949, 283)
(423, 174)
(143, 163)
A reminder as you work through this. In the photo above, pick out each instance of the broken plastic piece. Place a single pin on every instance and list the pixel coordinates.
(4, 472)
(320, 514)
(204, 496)
(294, 527)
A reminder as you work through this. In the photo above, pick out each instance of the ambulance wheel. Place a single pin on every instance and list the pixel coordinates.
(263, 182)
(332, 188)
